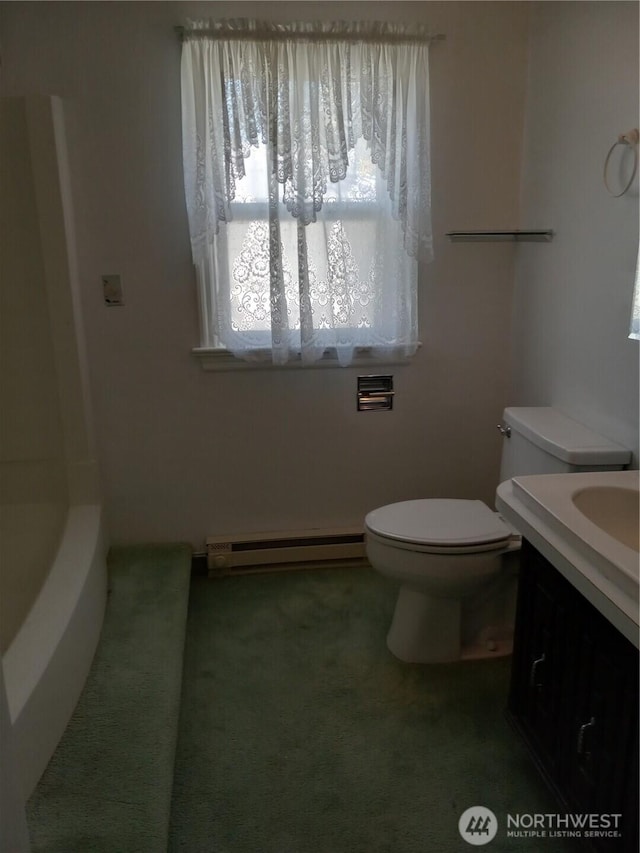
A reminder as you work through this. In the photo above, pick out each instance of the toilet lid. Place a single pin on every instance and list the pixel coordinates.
(442, 522)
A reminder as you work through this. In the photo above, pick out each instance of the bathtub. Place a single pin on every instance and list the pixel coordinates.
(52, 539)
(47, 662)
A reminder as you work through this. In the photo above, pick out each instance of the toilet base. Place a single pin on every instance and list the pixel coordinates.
(429, 629)
(424, 629)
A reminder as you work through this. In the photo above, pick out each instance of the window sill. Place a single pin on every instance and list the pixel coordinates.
(219, 359)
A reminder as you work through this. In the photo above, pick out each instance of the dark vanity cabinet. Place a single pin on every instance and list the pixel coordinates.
(574, 699)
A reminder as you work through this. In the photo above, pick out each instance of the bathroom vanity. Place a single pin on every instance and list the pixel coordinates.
(574, 699)
(574, 685)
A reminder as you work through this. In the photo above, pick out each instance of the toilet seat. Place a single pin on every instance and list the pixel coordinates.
(439, 525)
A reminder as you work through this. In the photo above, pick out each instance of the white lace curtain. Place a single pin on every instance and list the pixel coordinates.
(306, 166)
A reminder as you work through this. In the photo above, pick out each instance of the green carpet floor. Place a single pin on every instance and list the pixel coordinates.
(298, 731)
(301, 733)
(107, 788)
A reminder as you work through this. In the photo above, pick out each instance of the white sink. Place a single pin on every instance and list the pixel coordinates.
(613, 509)
(587, 525)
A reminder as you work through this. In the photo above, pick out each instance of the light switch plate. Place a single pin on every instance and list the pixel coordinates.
(112, 290)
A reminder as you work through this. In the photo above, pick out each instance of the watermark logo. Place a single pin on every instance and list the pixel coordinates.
(570, 825)
(478, 825)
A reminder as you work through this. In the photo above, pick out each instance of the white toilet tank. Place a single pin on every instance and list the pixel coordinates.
(542, 440)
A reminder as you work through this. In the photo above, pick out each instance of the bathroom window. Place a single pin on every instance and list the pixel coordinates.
(306, 158)
(634, 331)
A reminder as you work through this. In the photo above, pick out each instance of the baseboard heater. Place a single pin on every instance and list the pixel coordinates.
(260, 552)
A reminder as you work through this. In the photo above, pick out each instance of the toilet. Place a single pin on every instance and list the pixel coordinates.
(457, 560)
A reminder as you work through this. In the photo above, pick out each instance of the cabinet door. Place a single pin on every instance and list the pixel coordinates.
(600, 751)
(540, 670)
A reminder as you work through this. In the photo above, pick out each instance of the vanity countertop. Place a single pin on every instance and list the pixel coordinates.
(586, 525)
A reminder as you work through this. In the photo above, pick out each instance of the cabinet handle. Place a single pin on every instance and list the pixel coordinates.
(534, 669)
(581, 734)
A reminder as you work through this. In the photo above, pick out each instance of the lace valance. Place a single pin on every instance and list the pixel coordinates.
(307, 92)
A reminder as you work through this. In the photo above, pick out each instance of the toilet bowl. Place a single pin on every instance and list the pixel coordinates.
(457, 590)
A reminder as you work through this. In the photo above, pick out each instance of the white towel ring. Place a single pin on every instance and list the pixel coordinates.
(631, 139)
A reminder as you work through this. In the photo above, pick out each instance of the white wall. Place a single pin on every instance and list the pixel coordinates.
(185, 454)
(573, 297)
(31, 437)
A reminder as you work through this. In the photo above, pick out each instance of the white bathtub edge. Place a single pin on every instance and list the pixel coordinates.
(47, 664)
